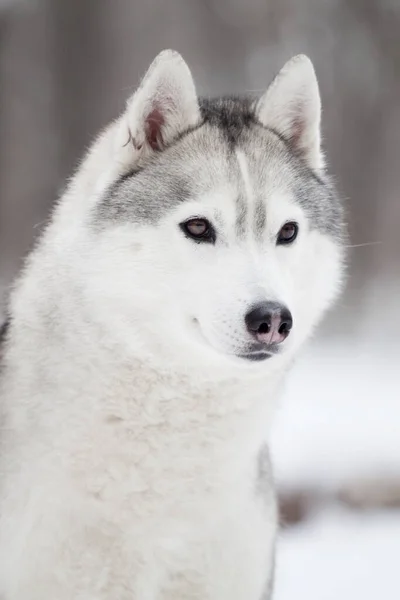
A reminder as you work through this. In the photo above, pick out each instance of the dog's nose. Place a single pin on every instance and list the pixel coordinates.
(269, 322)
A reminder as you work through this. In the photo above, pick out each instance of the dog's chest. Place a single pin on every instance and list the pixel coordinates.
(168, 461)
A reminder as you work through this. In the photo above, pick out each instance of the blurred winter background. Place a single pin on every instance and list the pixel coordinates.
(66, 68)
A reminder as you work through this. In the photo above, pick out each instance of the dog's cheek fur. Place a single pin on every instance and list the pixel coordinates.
(318, 281)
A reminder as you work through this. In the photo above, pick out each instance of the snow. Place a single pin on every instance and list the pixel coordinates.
(340, 555)
(340, 421)
(340, 415)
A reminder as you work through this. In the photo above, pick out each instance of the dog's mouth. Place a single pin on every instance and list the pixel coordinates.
(256, 352)
(255, 356)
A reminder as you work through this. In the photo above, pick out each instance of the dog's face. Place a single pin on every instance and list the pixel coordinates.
(224, 241)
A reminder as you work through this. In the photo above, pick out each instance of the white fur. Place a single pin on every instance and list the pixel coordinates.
(131, 433)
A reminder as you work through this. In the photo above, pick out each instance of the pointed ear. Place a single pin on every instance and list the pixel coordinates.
(292, 107)
(164, 106)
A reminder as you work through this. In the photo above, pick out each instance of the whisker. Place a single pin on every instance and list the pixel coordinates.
(366, 244)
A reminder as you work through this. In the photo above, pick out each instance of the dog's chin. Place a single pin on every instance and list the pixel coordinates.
(250, 354)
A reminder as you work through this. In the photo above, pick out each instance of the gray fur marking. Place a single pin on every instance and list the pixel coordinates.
(269, 587)
(260, 218)
(265, 488)
(241, 215)
(264, 474)
(203, 158)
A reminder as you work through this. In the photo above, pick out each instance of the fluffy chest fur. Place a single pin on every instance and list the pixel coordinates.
(143, 472)
(133, 429)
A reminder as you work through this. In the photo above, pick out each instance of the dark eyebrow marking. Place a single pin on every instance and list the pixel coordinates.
(241, 215)
(260, 217)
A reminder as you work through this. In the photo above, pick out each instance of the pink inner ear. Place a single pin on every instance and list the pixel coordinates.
(154, 122)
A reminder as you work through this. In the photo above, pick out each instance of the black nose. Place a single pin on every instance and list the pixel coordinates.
(269, 322)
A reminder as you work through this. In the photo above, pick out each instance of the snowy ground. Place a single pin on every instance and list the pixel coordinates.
(339, 422)
(340, 555)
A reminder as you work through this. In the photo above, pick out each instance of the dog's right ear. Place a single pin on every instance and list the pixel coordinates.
(292, 107)
(164, 106)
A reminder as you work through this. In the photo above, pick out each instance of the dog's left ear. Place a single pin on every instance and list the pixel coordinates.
(292, 107)
(164, 106)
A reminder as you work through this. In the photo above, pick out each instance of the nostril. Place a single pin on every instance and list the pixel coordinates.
(264, 328)
(286, 323)
(258, 320)
(284, 328)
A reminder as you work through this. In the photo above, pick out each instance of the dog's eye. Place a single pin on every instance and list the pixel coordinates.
(199, 230)
(288, 233)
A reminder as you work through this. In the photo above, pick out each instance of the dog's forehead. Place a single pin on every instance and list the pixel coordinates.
(230, 150)
(195, 167)
(208, 159)
(243, 178)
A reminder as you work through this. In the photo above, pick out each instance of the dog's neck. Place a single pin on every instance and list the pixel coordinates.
(55, 354)
(64, 378)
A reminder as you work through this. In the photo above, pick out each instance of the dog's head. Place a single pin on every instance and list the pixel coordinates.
(213, 228)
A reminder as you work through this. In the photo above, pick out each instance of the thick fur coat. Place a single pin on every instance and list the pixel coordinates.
(136, 400)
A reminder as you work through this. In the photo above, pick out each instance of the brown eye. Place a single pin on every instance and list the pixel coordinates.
(199, 230)
(288, 233)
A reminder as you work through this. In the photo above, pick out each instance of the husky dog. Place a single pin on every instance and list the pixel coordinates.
(150, 332)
